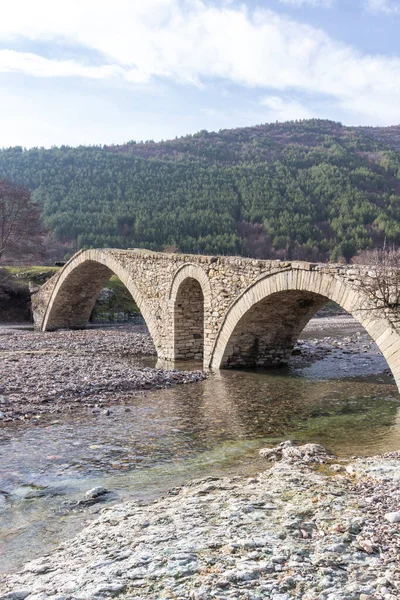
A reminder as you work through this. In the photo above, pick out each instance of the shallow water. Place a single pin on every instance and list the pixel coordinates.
(161, 439)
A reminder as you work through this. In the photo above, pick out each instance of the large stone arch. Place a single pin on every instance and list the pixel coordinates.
(190, 301)
(78, 286)
(288, 299)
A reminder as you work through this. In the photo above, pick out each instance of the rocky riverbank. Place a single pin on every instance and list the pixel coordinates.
(310, 528)
(310, 350)
(46, 374)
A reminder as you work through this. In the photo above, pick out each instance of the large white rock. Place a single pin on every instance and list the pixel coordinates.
(393, 517)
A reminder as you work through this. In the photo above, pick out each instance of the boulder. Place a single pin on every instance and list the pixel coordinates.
(288, 451)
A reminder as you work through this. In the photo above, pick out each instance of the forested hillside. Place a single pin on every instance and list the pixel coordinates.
(309, 190)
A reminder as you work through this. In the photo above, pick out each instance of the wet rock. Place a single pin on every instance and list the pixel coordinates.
(220, 538)
(36, 494)
(96, 492)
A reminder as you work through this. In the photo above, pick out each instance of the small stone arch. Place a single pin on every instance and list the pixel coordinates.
(194, 272)
(190, 300)
(280, 305)
(78, 286)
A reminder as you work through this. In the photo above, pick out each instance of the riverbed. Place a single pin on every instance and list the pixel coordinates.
(140, 443)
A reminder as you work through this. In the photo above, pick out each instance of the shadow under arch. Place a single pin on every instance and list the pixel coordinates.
(190, 300)
(262, 325)
(78, 286)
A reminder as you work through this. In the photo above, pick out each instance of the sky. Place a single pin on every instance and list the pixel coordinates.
(101, 72)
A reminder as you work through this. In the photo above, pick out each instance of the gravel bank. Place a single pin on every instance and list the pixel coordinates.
(313, 349)
(333, 322)
(45, 374)
(339, 338)
(298, 530)
(42, 374)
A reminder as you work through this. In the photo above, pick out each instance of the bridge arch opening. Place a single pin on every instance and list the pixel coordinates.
(188, 312)
(262, 325)
(77, 288)
(73, 304)
(266, 334)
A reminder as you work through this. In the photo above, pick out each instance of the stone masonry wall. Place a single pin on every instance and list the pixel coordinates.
(189, 321)
(155, 280)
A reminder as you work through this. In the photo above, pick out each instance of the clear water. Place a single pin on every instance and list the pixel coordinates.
(161, 439)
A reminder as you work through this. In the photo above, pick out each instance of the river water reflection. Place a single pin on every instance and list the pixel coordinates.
(163, 438)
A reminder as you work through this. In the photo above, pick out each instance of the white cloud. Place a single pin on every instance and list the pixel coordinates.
(316, 3)
(37, 66)
(280, 109)
(193, 42)
(387, 7)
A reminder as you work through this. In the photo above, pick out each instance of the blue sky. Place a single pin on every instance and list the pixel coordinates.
(94, 71)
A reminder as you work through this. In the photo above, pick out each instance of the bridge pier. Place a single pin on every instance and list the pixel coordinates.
(189, 321)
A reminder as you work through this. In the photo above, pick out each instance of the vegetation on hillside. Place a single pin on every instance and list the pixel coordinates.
(310, 190)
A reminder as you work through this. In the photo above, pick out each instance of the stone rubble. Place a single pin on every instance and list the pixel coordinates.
(45, 374)
(297, 531)
(288, 451)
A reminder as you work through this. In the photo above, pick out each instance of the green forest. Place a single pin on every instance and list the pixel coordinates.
(307, 190)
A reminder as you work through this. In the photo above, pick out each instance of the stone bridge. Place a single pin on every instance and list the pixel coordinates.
(225, 311)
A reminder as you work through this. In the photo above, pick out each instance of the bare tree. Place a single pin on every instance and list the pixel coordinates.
(381, 283)
(21, 230)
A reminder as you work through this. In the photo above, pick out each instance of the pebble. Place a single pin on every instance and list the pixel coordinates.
(309, 351)
(67, 370)
(393, 517)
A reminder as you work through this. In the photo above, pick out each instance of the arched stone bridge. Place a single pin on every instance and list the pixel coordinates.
(226, 311)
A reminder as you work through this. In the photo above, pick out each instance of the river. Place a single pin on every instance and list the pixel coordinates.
(160, 439)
